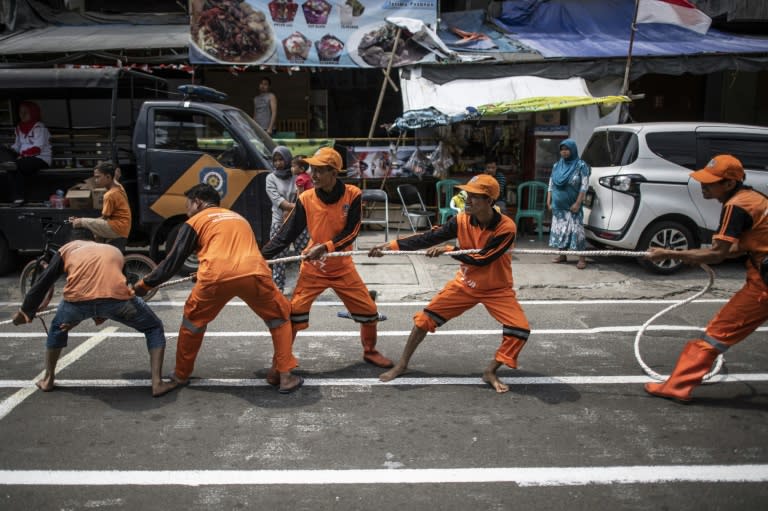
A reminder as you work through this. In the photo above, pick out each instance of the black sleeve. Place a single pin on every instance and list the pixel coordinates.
(183, 247)
(289, 231)
(734, 221)
(494, 249)
(437, 235)
(45, 280)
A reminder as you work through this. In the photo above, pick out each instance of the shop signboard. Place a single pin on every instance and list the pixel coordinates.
(314, 33)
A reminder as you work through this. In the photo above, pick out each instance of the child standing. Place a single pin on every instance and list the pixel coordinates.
(299, 169)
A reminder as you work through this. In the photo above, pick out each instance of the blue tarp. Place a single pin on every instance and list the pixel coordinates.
(473, 21)
(601, 28)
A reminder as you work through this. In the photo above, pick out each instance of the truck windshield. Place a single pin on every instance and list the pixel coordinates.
(257, 137)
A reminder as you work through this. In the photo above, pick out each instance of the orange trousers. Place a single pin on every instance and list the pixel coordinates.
(456, 298)
(206, 301)
(350, 289)
(742, 315)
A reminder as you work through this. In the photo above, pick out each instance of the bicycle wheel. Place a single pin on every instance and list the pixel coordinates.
(136, 267)
(30, 274)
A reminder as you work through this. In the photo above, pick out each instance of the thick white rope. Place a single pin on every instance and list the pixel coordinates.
(591, 253)
(37, 315)
(650, 372)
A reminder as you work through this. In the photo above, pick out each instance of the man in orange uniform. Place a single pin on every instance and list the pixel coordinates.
(484, 277)
(95, 288)
(331, 213)
(114, 225)
(230, 265)
(743, 229)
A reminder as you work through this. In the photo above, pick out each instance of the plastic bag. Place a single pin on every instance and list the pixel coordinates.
(441, 161)
(417, 164)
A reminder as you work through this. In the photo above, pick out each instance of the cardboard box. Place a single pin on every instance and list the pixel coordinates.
(98, 198)
(79, 199)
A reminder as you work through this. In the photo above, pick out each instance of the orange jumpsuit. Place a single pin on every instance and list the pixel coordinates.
(484, 277)
(230, 265)
(744, 221)
(332, 219)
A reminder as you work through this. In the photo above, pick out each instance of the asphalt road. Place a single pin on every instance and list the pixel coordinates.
(576, 431)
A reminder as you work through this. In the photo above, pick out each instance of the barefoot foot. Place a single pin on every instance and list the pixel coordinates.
(165, 387)
(392, 373)
(45, 384)
(493, 380)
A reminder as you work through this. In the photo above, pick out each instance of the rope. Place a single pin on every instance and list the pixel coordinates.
(586, 253)
(39, 314)
(650, 372)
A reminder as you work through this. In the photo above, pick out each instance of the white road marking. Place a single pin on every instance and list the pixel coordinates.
(403, 381)
(8, 404)
(404, 333)
(522, 476)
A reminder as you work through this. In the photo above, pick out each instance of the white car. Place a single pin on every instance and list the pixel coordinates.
(641, 194)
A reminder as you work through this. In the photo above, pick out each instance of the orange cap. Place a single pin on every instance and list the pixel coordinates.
(722, 166)
(325, 156)
(484, 184)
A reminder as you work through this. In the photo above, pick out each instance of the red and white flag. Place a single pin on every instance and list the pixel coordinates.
(675, 12)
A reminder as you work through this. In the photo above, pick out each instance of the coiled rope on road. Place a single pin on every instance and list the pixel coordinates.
(586, 253)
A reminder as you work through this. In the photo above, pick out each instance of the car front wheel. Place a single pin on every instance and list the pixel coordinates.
(669, 235)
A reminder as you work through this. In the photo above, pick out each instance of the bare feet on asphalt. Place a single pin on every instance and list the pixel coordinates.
(392, 373)
(45, 384)
(493, 380)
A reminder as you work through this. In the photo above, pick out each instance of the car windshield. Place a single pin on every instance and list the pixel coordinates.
(257, 137)
(611, 148)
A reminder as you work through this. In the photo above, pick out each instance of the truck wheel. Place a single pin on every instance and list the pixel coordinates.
(191, 264)
(670, 235)
(7, 256)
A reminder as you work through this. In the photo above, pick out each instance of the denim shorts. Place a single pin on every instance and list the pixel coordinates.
(133, 313)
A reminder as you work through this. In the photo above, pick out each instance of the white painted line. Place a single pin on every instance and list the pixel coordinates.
(522, 476)
(402, 333)
(7, 405)
(403, 381)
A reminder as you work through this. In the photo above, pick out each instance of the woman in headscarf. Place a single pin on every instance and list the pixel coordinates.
(281, 190)
(33, 146)
(567, 187)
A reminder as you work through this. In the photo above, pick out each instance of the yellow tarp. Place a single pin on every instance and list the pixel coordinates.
(541, 104)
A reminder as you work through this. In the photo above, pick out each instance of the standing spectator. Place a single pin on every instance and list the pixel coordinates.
(331, 212)
(281, 190)
(492, 170)
(265, 106)
(95, 288)
(567, 188)
(230, 265)
(114, 225)
(484, 277)
(33, 147)
(743, 230)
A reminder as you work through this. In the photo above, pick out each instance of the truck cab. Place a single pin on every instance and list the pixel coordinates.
(164, 143)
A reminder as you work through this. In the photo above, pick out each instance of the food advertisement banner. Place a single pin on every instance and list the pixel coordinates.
(316, 33)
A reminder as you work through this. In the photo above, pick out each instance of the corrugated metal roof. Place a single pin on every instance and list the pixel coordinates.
(59, 39)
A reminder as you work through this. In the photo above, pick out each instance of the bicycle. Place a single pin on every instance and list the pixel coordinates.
(135, 267)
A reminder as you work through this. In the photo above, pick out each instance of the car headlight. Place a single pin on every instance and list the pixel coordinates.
(629, 183)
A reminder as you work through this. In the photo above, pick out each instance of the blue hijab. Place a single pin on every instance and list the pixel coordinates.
(564, 169)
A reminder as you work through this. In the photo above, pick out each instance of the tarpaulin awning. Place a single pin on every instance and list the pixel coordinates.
(601, 28)
(528, 93)
(60, 39)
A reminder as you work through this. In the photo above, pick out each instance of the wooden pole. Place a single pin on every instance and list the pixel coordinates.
(384, 86)
(625, 85)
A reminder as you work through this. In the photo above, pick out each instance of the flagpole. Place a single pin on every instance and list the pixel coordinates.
(625, 85)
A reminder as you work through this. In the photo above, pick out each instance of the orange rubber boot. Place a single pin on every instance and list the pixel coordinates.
(694, 362)
(370, 354)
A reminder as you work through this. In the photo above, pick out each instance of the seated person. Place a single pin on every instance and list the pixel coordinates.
(32, 147)
(114, 225)
(458, 201)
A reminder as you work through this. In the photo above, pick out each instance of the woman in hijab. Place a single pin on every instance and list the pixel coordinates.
(567, 188)
(281, 190)
(33, 146)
